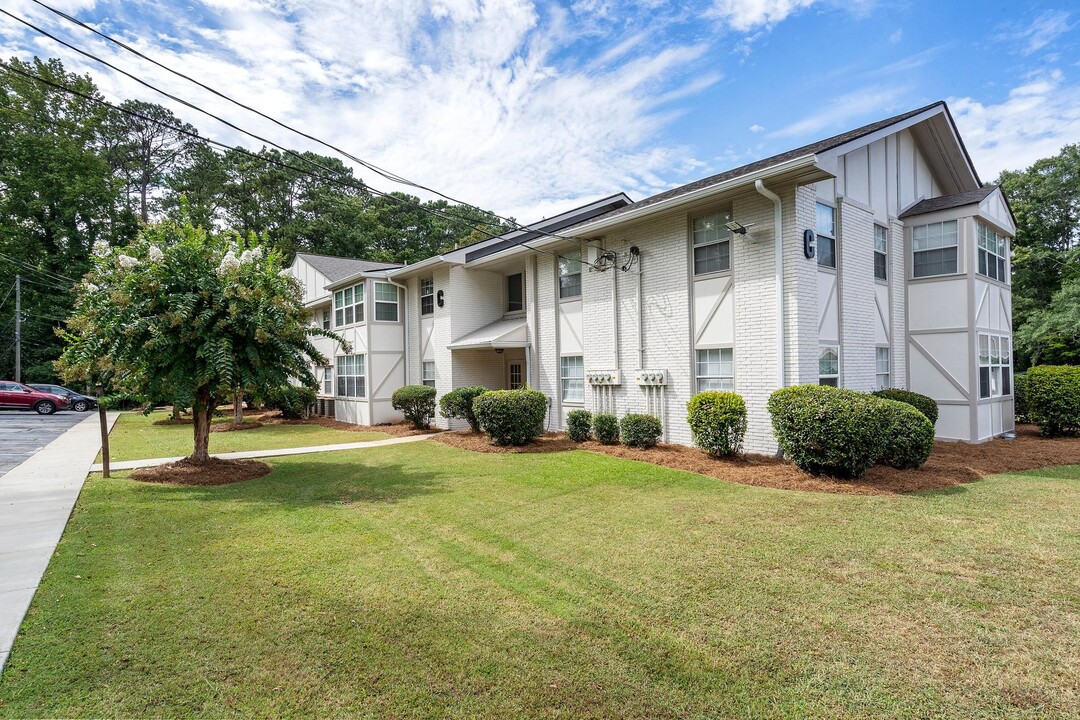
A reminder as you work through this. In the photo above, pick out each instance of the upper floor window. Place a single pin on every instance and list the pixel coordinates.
(386, 302)
(881, 253)
(826, 235)
(992, 251)
(349, 305)
(829, 366)
(325, 319)
(427, 296)
(712, 244)
(995, 366)
(515, 292)
(934, 247)
(570, 274)
(715, 369)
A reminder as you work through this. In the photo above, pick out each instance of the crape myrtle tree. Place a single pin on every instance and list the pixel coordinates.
(183, 310)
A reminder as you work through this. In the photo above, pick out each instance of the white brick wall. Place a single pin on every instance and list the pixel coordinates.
(800, 287)
(857, 303)
(898, 303)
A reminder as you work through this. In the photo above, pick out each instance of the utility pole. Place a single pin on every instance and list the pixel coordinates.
(18, 328)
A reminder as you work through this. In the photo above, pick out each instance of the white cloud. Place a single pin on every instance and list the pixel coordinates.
(840, 112)
(1036, 120)
(1043, 30)
(744, 15)
(896, 36)
(755, 128)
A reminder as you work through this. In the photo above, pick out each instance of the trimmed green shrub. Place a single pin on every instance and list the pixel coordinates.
(511, 417)
(718, 422)
(605, 427)
(1053, 398)
(1020, 408)
(459, 404)
(640, 431)
(829, 431)
(578, 425)
(417, 404)
(909, 437)
(292, 401)
(926, 405)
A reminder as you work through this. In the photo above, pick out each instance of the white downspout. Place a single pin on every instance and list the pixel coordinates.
(778, 233)
(405, 319)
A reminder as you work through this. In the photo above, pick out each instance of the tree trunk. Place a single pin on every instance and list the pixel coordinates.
(176, 410)
(238, 407)
(202, 411)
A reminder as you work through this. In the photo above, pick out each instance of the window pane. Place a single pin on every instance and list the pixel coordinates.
(712, 258)
(831, 382)
(995, 355)
(348, 296)
(984, 382)
(515, 292)
(711, 228)
(881, 239)
(349, 317)
(828, 362)
(935, 262)
(339, 299)
(427, 305)
(386, 312)
(570, 263)
(358, 293)
(1006, 381)
(880, 266)
(826, 252)
(882, 360)
(570, 286)
(385, 292)
(826, 220)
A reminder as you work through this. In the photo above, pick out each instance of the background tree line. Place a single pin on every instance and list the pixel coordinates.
(74, 171)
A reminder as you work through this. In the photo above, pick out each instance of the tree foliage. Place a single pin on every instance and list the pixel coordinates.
(183, 310)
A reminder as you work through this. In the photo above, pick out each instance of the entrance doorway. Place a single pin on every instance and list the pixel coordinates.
(514, 376)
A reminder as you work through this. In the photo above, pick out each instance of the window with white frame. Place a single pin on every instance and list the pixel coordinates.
(995, 366)
(328, 381)
(572, 378)
(883, 368)
(349, 305)
(325, 319)
(829, 366)
(428, 372)
(934, 249)
(992, 253)
(427, 296)
(712, 243)
(351, 376)
(570, 274)
(715, 369)
(881, 253)
(386, 302)
(825, 229)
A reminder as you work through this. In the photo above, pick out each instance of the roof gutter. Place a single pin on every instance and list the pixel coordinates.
(594, 226)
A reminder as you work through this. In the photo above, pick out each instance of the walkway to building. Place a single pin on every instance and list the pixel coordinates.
(253, 454)
(36, 499)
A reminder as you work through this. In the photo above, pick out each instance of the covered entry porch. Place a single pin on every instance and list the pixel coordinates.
(496, 356)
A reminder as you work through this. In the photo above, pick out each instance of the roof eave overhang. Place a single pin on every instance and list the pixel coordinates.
(800, 170)
(351, 279)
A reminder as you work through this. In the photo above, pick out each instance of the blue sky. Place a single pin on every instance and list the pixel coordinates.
(530, 107)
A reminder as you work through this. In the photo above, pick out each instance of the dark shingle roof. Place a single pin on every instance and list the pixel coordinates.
(946, 202)
(811, 149)
(339, 268)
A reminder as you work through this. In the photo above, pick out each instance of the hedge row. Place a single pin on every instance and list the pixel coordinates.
(1052, 395)
(634, 430)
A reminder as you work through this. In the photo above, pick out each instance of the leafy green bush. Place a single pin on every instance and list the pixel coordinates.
(459, 404)
(293, 401)
(926, 405)
(829, 431)
(578, 425)
(1020, 408)
(909, 436)
(417, 404)
(605, 427)
(718, 422)
(511, 417)
(640, 431)
(1053, 398)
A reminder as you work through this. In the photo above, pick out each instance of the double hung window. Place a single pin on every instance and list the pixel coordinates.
(992, 252)
(881, 253)
(934, 247)
(427, 296)
(826, 235)
(349, 305)
(572, 378)
(712, 244)
(715, 369)
(351, 376)
(570, 274)
(995, 366)
(829, 366)
(386, 302)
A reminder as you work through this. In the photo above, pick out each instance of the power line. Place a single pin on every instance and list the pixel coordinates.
(4, 301)
(55, 277)
(393, 177)
(332, 178)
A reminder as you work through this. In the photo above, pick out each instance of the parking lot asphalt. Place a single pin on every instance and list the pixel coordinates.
(24, 433)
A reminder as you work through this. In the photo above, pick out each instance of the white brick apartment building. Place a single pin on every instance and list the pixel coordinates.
(890, 269)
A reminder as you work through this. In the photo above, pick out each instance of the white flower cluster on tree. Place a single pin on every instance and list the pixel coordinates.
(228, 263)
(251, 255)
(126, 261)
(91, 287)
(102, 248)
(154, 254)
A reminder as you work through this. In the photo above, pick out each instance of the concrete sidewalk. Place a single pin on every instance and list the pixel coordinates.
(253, 454)
(36, 499)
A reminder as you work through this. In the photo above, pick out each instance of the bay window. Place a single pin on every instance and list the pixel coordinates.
(349, 305)
(386, 302)
(992, 252)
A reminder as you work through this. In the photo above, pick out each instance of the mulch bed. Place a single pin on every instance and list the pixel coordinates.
(213, 472)
(176, 421)
(233, 427)
(951, 463)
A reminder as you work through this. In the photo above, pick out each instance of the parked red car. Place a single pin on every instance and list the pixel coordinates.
(16, 396)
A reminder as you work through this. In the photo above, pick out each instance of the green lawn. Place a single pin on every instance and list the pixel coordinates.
(135, 437)
(425, 581)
